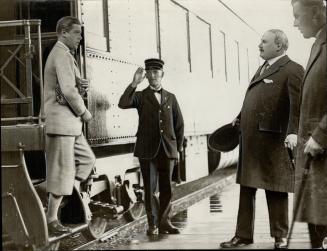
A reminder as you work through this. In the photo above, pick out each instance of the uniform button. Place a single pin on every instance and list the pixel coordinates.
(160, 121)
(161, 130)
(168, 107)
(159, 110)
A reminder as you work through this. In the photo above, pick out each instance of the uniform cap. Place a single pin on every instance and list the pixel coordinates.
(153, 64)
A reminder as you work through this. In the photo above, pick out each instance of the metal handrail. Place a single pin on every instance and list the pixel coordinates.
(23, 22)
(27, 38)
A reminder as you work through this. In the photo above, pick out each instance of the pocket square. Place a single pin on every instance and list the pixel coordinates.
(268, 81)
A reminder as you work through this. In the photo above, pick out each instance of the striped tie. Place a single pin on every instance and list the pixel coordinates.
(264, 68)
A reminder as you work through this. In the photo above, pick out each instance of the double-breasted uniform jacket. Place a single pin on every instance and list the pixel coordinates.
(313, 122)
(269, 113)
(63, 102)
(158, 123)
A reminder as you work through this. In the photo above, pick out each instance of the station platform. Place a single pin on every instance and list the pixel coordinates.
(211, 221)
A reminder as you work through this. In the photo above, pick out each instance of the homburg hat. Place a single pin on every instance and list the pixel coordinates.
(224, 139)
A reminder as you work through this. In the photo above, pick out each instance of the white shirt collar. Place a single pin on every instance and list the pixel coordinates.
(65, 46)
(273, 60)
(155, 89)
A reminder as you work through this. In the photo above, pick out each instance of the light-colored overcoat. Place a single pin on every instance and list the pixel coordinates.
(270, 112)
(68, 154)
(313, 122)
(63, 103)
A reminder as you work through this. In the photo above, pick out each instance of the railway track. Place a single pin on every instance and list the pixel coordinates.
(198, 190)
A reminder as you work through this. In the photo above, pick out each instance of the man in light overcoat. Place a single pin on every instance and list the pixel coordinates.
(310, 18)
(160, 137)
(68, 155)
(268, 122)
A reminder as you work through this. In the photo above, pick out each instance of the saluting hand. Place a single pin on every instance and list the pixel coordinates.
(139, 75)
(312, 147)
(291, 141)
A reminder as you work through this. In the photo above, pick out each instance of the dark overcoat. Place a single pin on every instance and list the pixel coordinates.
(269, 113)
(313, 122)
(158, 123)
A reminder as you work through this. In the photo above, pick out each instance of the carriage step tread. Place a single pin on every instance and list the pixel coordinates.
(75, 230)
(37, 181)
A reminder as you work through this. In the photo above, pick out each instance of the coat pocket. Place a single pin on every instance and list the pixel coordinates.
(269, 126)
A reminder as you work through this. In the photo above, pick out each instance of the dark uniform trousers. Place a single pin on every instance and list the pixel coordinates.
(277, 209)
(317, 234)
(160, 168)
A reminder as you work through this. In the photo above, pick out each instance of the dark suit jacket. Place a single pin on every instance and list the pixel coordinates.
(313, 122)
(158, 123)
(270, 112)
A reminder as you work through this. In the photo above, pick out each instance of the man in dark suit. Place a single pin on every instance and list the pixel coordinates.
(159, 138)
(310, 18)
(268, 122)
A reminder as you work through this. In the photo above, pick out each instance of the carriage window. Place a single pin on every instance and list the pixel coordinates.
(244, 64)
(219, 55)
(36, 9)
(174, 23)
(95, 20)
(237, 46)
(248, 63)
(200, 46)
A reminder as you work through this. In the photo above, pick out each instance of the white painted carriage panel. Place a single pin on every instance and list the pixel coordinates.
(115, 165)
(219, 57)
(174, 51)
(119, 16)
(143, 31)
(107, 85)
(232, 61)
(200, 47)
(196, 158)
(93, 20)
(174, 42)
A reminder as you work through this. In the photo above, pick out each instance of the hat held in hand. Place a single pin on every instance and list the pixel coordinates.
(224, 139)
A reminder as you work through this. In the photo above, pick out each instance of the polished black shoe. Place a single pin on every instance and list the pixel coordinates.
(168, 228)
(236, 242)
(55, 228)
(152, 231)
(324, 243)
(280, 243)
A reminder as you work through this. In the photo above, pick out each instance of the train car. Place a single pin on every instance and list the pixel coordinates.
(209, 53)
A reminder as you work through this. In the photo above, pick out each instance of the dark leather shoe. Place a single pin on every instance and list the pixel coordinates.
(280, 243)
(168, 228)
(152, 231)
(55, 228)
(324, 243)
(236, 242)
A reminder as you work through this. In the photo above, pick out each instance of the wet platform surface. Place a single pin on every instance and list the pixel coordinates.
(212, 220)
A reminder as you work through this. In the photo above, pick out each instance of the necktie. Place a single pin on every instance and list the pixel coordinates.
(264, 68)
(157, 91)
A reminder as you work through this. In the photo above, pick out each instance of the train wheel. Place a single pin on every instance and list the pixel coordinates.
(136, 211)
(96, 228)
(135, 202)
(52, 247)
